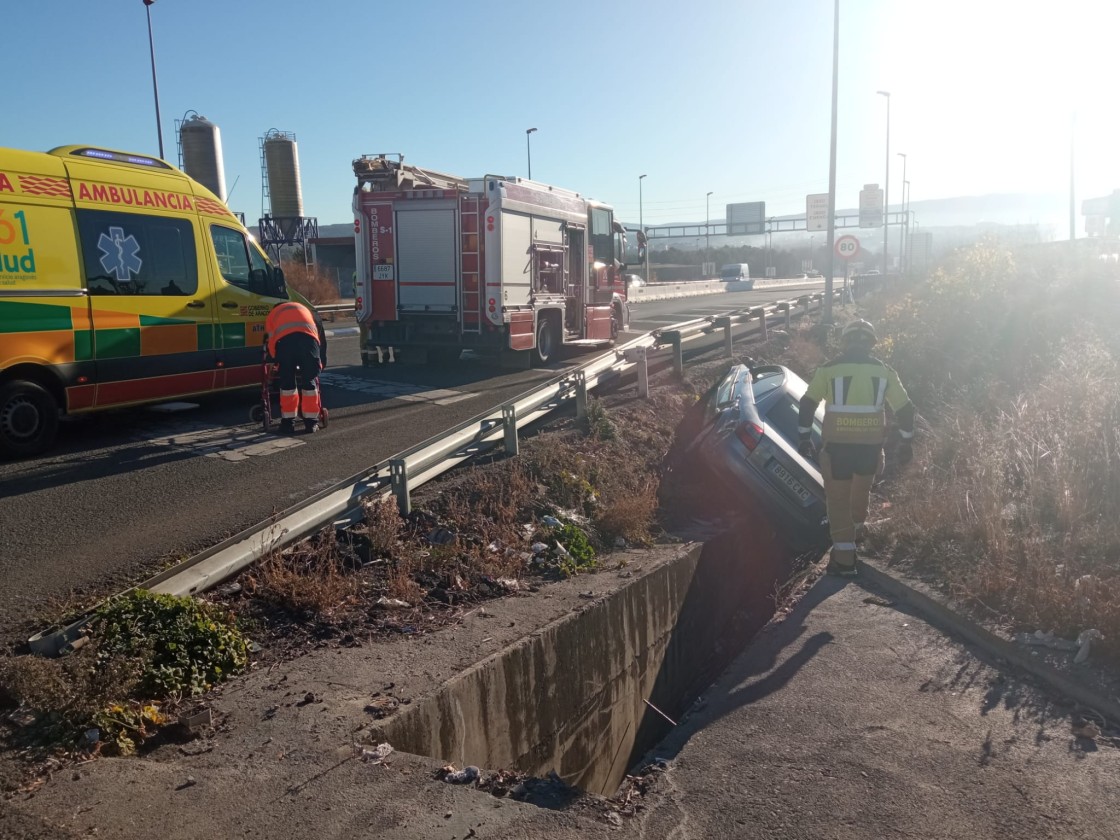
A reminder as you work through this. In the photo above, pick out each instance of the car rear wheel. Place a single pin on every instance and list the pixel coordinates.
(28, 418)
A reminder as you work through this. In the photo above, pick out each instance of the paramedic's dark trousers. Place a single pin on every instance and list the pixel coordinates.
(298, 352)
(848, 470)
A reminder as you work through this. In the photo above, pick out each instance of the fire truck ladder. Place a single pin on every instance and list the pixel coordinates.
(470, 247)
(389, 172)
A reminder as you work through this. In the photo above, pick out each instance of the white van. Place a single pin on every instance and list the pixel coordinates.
(736, 272)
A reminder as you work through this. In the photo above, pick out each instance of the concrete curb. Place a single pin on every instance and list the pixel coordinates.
(941, 615)
(343, 331)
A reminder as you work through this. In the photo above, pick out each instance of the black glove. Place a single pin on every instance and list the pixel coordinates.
(905, 452)
(806, 449)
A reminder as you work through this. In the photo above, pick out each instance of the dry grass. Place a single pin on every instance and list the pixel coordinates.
(629, 517)
(313, 285)
(600, 477)
(310, 579)
(1011, 501)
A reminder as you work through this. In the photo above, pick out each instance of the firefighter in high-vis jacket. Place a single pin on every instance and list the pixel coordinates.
(856, 387)
(298, 344)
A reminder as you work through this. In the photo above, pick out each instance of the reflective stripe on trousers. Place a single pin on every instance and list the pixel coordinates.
(847, 500)
(306, 404)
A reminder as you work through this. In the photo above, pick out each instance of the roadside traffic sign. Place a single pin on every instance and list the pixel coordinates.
(847, 247)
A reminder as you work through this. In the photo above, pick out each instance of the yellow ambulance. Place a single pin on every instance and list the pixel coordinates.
(122, 281)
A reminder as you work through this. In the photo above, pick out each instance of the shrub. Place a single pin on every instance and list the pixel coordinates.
(184, 646)
(1012, 499)
(309, 282)
(599, 423)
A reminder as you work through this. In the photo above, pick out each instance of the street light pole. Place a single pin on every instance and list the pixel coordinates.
(769, 242)
(528, 152)
(155, 86)
(642, 229)
(1072, 139)
(906, 222)
(887, 186)
(826, 317)
(901, 228)
(707, 228)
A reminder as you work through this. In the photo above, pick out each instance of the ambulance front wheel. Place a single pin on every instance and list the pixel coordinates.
(28, 418)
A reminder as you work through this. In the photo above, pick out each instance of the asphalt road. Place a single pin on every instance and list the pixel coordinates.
(126, 493)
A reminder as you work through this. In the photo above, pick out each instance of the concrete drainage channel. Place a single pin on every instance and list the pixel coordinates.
(591, 693)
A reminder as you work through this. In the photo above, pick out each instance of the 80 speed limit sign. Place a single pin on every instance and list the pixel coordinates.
(847, 247)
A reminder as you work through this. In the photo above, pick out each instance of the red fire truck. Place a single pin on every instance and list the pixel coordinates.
(495, 263)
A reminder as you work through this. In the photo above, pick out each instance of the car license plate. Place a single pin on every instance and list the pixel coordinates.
(787, 478)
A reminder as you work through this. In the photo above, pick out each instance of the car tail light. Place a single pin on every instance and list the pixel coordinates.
(750, 434)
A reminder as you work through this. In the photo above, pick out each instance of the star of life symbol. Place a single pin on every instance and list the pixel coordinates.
(120, 254)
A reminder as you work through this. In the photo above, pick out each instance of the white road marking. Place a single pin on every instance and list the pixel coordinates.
(236, 444)
(394, 390)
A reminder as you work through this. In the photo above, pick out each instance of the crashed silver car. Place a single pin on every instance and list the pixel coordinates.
(743, 434)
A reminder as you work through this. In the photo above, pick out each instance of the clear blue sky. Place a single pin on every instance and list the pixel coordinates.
(728, 96)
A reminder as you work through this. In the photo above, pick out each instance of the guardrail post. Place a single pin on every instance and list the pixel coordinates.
(674, 339)
(789, 315)
(643, 372)
(398, 476)
(725, 322)
(581, 394)
(509, 421)
(807, 301)
(762, 331)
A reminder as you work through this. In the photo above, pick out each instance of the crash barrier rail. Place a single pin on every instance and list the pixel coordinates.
(330, 311)
(398, 476)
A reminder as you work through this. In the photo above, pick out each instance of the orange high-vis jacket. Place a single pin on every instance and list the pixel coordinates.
(288, 319)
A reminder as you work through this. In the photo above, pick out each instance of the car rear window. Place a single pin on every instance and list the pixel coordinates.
(783, 417)
(766, 382)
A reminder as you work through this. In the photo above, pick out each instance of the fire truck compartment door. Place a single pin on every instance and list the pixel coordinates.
(427, 258)
(517, 259)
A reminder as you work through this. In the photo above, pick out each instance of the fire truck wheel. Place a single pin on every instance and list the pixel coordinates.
(546, 341)
(28, 418)
(616, 321)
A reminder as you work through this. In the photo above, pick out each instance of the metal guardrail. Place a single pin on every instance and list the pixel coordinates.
(341, 505)
(334, 307)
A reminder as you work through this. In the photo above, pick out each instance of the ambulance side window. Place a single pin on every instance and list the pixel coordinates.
(133, 254)
(233, 255)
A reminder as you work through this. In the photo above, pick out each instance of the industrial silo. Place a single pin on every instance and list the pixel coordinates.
(202, 154)
(282, 164)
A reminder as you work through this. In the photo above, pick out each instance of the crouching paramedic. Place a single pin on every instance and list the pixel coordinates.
(856, 387)
(297, 343)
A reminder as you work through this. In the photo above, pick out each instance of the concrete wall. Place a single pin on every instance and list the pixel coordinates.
(572, 696)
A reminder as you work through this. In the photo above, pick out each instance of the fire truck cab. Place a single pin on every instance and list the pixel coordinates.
(494, 263)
